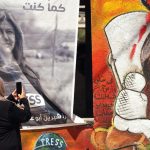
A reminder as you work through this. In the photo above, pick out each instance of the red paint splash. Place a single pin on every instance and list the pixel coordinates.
(141, 33)
(148, 2)
(148, 18)
(132, 51)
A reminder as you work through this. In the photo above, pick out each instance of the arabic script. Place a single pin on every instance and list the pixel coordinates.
(39, 7)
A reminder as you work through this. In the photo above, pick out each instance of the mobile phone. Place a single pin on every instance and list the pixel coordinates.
(18, 87)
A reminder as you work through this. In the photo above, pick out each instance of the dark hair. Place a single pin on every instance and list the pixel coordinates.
(145, 58)
(18, 48)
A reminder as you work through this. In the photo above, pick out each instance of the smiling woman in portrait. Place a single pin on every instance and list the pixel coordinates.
(12, 62)
(14, 68)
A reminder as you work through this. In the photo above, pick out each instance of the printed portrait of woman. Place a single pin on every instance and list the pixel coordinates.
(13, 68)
(12, 62)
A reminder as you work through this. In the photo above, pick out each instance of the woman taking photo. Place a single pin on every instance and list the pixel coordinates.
(11, 116)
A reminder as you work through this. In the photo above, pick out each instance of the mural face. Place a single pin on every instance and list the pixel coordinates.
(123, 29)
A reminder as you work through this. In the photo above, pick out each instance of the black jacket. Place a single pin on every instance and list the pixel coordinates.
(10, 118)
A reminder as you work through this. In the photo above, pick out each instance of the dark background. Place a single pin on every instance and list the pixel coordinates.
(83, 98)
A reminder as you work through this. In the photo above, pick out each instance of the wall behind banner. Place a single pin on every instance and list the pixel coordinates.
(76, 138)
(83, 80)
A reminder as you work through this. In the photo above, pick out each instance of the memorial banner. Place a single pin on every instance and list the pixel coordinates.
(38, 43)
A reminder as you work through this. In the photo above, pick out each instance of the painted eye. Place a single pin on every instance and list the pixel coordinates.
(146, 3)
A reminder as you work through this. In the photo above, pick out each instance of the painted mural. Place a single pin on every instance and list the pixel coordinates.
(121, 75)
